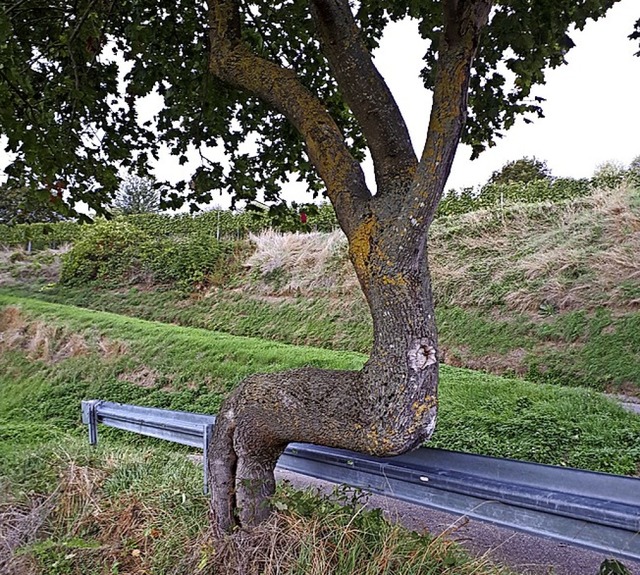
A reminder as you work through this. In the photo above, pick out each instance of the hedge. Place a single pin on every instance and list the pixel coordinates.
(218, 224)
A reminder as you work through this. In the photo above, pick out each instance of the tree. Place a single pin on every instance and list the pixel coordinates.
(20, 206)
(522, 171)
(296, 79)
(137, 195)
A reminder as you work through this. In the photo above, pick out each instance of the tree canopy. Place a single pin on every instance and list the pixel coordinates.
(137, 195)
(18, 206)
(74, 74)
(522, 171)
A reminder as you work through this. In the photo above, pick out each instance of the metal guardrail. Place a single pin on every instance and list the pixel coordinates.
(595, 510)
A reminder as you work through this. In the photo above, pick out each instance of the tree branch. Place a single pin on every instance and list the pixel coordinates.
(463, 23)
(367, 94)
(232, 61)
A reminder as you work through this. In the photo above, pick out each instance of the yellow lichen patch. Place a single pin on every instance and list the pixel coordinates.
(394, 280)
(360, 244)
(419, 408)
(373, 438)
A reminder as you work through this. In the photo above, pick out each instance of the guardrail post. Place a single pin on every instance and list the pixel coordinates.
(90, 418)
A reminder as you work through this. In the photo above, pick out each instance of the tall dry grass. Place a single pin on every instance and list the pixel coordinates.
(19, 267)
(289, 264)
(122, 511)
(48, 342)
(577, 254)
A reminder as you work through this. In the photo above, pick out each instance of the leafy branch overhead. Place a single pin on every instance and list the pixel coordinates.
(74, 78)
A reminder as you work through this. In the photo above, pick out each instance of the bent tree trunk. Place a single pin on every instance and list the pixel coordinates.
(390, 406)
(387, 408)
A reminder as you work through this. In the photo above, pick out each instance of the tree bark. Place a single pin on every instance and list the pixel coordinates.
(387, 408)
(390, 406)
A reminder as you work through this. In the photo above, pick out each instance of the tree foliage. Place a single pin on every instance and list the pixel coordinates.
(521, 171)
(68, 116)
(19, 206)
(137, 195)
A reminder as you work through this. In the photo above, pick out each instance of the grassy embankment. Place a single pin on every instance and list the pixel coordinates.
(546, 291)
(133, 506)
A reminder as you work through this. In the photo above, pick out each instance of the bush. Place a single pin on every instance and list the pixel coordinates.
(118, 252)
(106, 252)
(523, 171)
(198, 259)
(494, 194)
(609, 175)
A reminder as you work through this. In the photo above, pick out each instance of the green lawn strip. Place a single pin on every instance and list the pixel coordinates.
(194, 369)
(514, 418)
(596, 350)
(315, 321)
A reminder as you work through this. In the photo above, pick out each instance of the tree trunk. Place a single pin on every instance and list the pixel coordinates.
(390, 406)
(387, 408)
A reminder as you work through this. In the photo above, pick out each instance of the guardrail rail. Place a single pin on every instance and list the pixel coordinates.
(599, 511)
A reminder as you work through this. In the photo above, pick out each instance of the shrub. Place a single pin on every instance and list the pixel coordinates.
(118, 252)
(522, 171)
(609, 175)
(106, 252)
(198, 259)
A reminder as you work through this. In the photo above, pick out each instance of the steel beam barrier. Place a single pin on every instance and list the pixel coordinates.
(595, 510)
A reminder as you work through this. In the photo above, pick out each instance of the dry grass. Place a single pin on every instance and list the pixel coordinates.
(288, 264)
(89, 526)
(578, 254)
(48, 342)
(143, 377)
(19, 526)
(18, 266)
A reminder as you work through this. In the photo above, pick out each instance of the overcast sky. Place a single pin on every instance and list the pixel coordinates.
(592, 106)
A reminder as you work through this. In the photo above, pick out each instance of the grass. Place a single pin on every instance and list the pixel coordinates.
(597, 349)
(135, 506)
(150, 363)
(545, 291)
(140, 511)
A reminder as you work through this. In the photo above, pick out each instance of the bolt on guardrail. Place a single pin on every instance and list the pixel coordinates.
(595, 510)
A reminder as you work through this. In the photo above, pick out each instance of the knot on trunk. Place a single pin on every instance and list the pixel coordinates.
(421, 354)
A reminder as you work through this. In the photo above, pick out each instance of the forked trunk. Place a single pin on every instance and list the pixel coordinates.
(389, 406)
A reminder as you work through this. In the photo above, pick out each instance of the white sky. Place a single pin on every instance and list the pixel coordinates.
(592, 107)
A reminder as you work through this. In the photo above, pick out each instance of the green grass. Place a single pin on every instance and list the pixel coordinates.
(134, 505)
(597, 349)
(118, 509)
(343, 324)
(187, 368)
(548, 291)
(193, 369)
